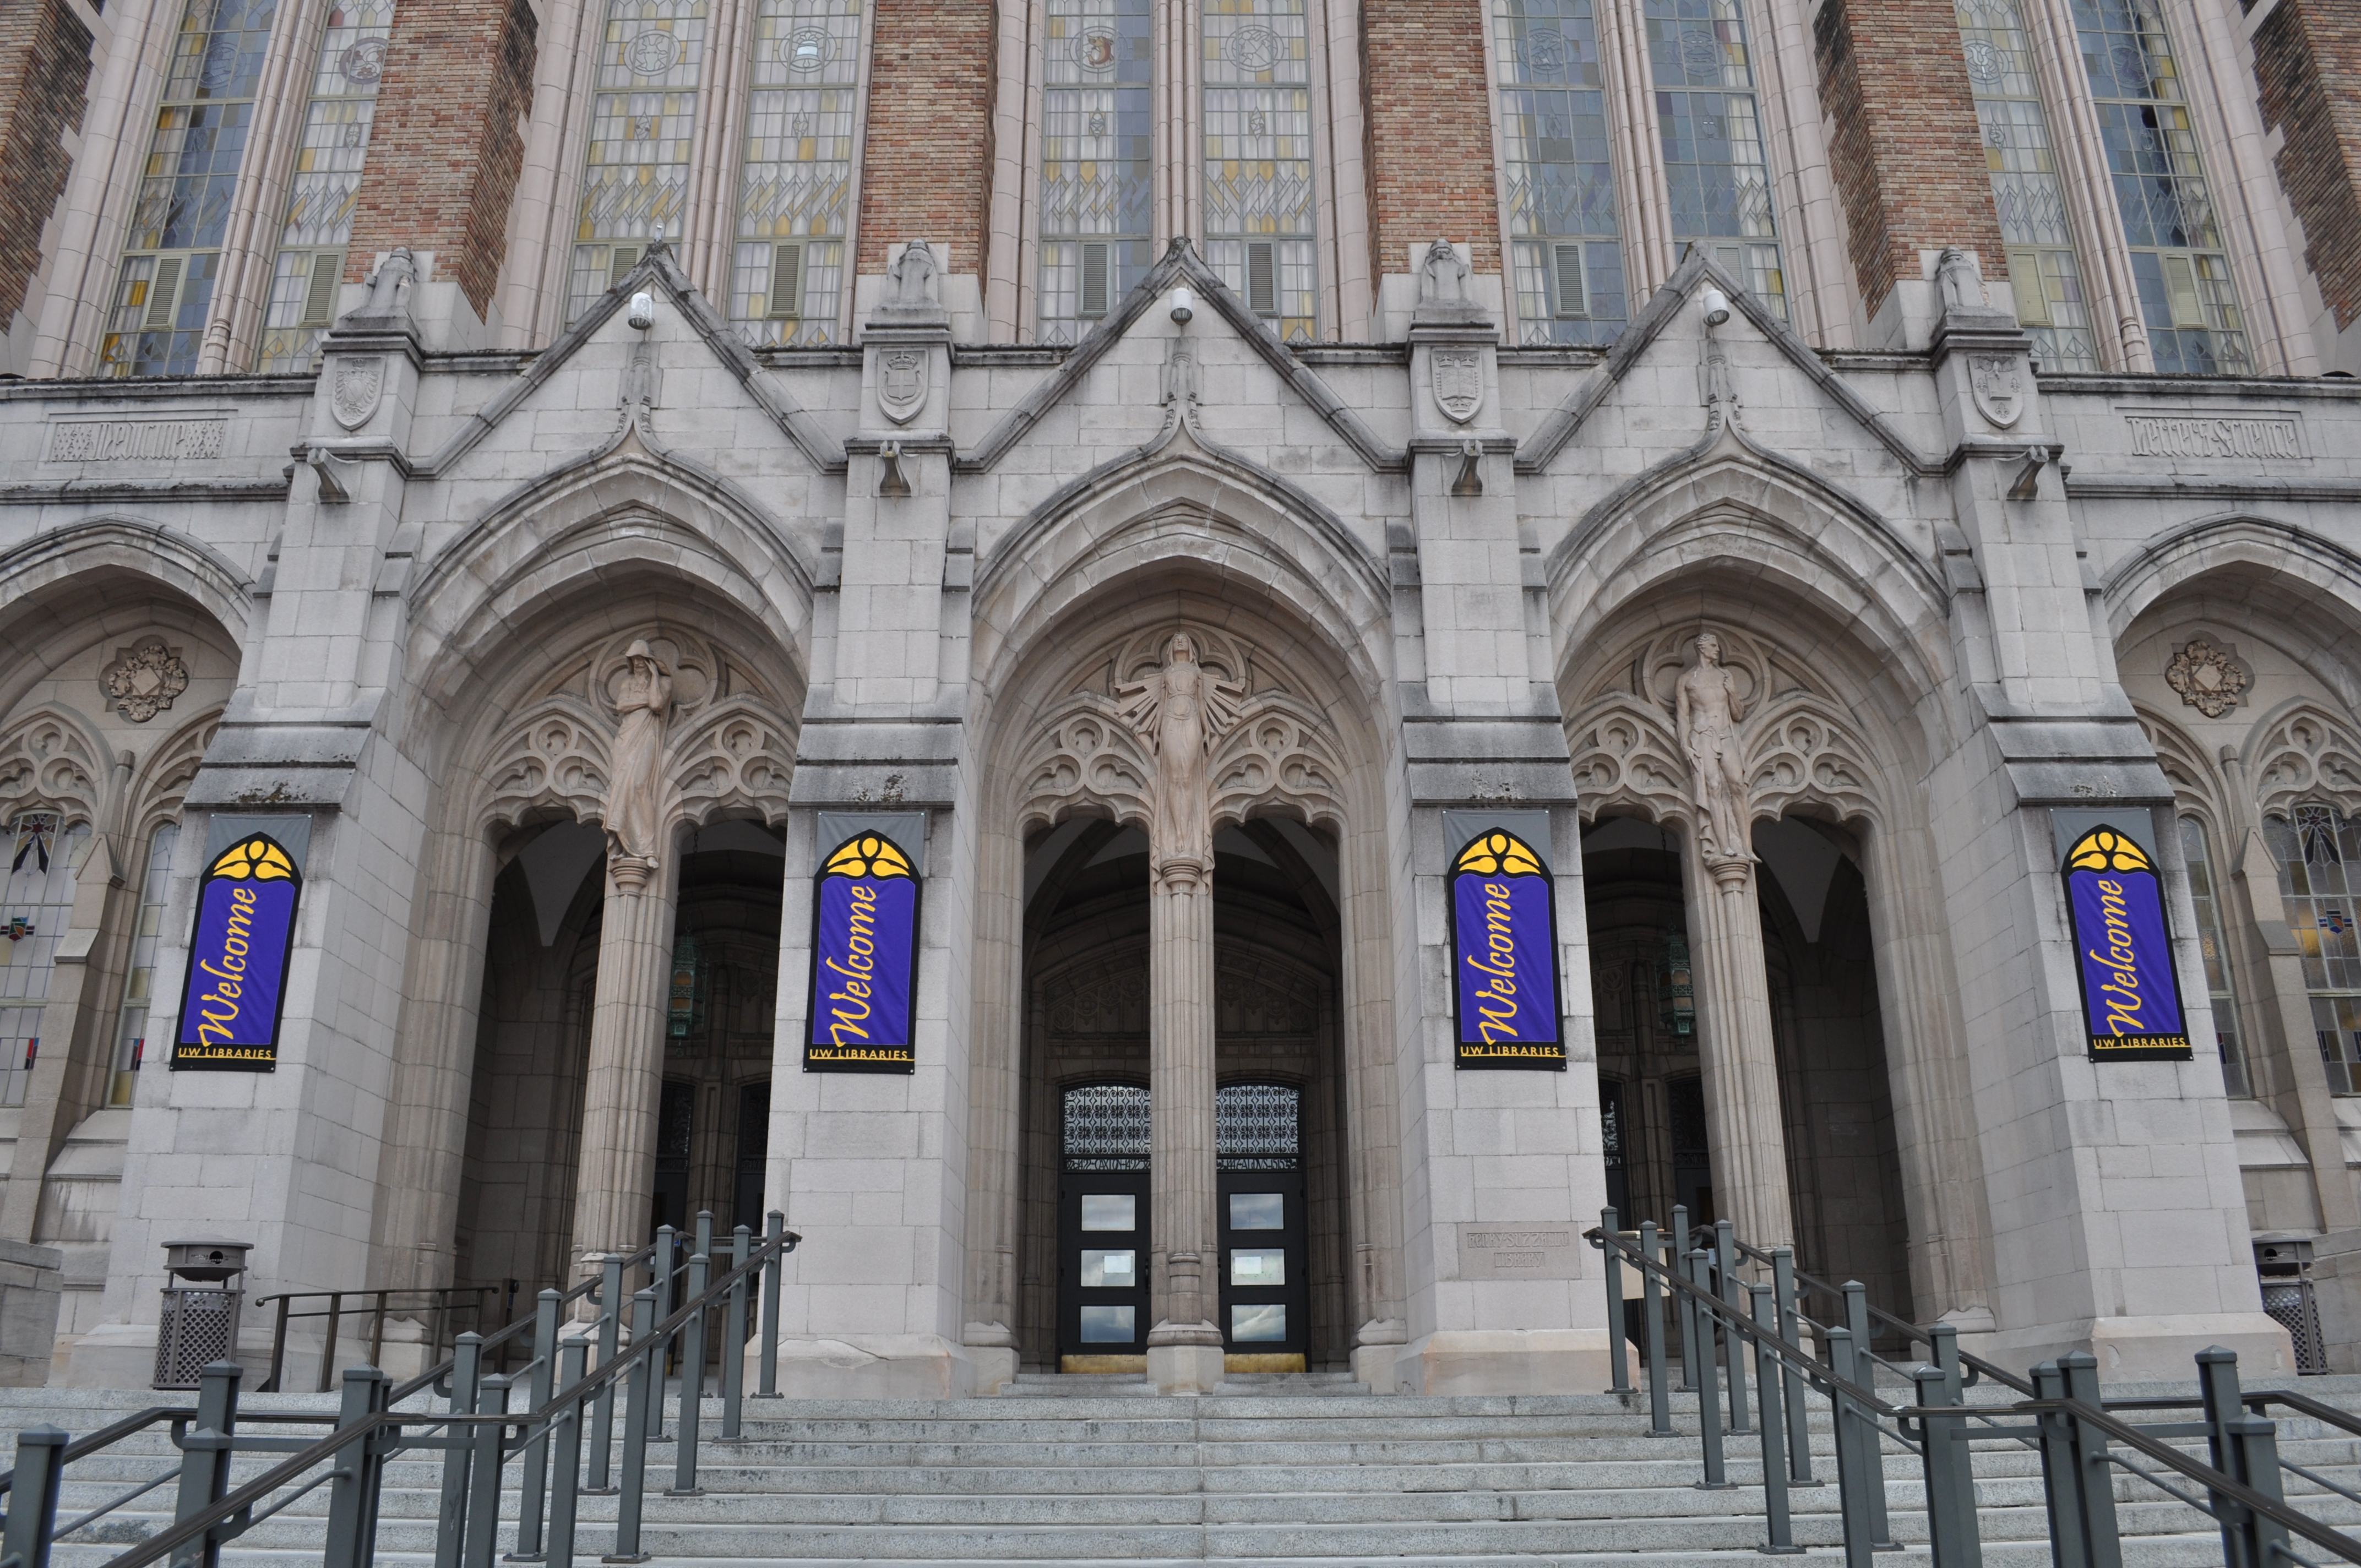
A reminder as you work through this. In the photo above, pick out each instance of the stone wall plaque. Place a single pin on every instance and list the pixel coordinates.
(1520, 1250)
(2264, 437)
(136, 440)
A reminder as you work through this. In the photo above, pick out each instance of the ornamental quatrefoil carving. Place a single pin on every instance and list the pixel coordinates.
(143, 681)
(2208, 679)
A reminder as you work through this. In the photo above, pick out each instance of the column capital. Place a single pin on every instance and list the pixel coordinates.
(1730, 872)
(631, 872)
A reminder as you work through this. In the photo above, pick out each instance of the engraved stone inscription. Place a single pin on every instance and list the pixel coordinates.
(2179, 436)
(135, 440)
(1523, 1250)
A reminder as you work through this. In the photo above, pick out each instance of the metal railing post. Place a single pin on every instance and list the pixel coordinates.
(278, 1347)
(2255, 1441)
(733, 1342)
(1951, 1521)
(2094, 1482)
(1799, 1415)
(1852, 1487)
(666, 1239)
(2061, 1481)
(533, 1480)
(328, 1349)
(489, 1441)
(1865, 1429)
(774, 1228)
(1725, 1248)
(466, 1369)
(646, 1368)
(377, 1331)
(2247, 1540)
(1651, 1329)
(1782, 1541)
(1676, 1257)
(353, 1495)
(1618, 1336)
(603, 1420)
(204, 1464)
(692, 1380)
(1717, 1478)
(32, 1518)
(565, 1459)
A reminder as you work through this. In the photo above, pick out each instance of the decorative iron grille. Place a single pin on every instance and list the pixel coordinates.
(1257, 1126)
(1106, 1127)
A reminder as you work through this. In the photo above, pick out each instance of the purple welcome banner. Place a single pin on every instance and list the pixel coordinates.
(864, 959)
(2123, 950)
(1504, 956)
(237, 985)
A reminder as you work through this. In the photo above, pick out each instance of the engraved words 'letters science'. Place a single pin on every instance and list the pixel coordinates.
(864, 959)
(237, 985)
(2123, 952)
(1504, 956)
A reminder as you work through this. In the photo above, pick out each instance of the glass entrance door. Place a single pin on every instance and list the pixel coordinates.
(1103, 1237)
(1265, 1296)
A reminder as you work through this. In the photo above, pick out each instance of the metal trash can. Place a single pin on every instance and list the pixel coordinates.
(2285, 1265)
(200, 1320)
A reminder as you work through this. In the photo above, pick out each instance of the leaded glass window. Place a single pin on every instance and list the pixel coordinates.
(2204, 888)
(172, 257)
(139, 987)
(1565, 257)
(1257, 1126)
(1257, 60)
(2027, 190)
(1712, 123)
(1106, 1127)
(642, 119)
(2317, 851)
(327, 180)
(1097, 174)
(795, 193)
(37, 898)
(2186, 294)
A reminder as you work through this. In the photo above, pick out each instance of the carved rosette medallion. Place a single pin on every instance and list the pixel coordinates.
(2207, 678)
(143, 681)
(1998, 382)
(902, 383)
(1458, 375)
(360, 385)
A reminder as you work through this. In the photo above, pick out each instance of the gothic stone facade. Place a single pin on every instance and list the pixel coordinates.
(559, 605)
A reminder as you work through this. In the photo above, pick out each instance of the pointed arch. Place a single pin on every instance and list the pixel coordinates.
(2303, 751)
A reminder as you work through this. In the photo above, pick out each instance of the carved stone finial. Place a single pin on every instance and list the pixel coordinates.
(643, 697)
(2207, 678)
(143, 681)
(1707, 711)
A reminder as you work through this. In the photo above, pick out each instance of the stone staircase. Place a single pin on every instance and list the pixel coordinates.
(1275, 1471)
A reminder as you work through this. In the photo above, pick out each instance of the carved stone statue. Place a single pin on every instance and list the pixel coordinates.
(1707, 711)
(1442, 277)
(913, 276)
(1180, 373)
(1959, 280)
(1181, 710)
(635, 783)
(389, 286)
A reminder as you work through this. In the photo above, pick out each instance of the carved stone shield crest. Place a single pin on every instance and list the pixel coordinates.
(1458, 381)
(360, 383)
(902, 383)
(1999, 392)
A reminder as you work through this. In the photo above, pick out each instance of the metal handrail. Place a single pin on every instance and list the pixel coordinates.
(92, 1443)
(440, 1303)
(654, 1343)
(438, 1376)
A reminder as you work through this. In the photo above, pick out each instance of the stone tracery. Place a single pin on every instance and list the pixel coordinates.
(2305, 754)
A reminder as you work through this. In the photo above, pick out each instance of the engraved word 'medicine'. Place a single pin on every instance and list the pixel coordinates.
(2159, 436)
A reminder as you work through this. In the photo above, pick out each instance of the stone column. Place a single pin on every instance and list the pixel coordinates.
(1184, 1348)
(616, 1174)
(1746, 1136)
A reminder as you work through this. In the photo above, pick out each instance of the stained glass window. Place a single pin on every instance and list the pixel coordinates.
(2317, 851)
(327, 177)
(1711, 124)
(2205, 887)
(1106, 1127)
(1256, 62)
(1097, 182)
(172, 257)
(2186, 294)
(794, 191)
(37, 897)
(1257, 1126)
(642, 118)
(139, 987)
(1564, 258)
(2027, 190)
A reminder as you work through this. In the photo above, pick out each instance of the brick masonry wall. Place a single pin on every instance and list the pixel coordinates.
(448, 139)
(2307, 63)
(926, 162)
(1906, 151)
(44, 71)
(1429, 131)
